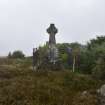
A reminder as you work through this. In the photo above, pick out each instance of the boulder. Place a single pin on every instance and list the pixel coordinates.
(101, 93)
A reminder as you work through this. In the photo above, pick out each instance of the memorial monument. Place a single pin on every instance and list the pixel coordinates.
(52, 30)
(49, 59)
(53, 51)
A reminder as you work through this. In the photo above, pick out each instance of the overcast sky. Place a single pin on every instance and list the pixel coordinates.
(23, 23)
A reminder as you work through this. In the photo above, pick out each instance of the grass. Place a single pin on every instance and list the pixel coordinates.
(22, 86)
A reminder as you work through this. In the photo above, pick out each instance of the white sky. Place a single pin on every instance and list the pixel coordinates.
(23, 23)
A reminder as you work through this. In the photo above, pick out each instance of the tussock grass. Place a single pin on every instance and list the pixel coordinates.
(20, 86)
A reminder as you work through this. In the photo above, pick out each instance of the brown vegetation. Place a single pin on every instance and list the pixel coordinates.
(20, 86)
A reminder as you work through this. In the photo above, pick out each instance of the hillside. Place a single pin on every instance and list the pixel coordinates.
(20, 86)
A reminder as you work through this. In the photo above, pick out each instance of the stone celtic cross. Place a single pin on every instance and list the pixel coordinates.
(52, 30)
